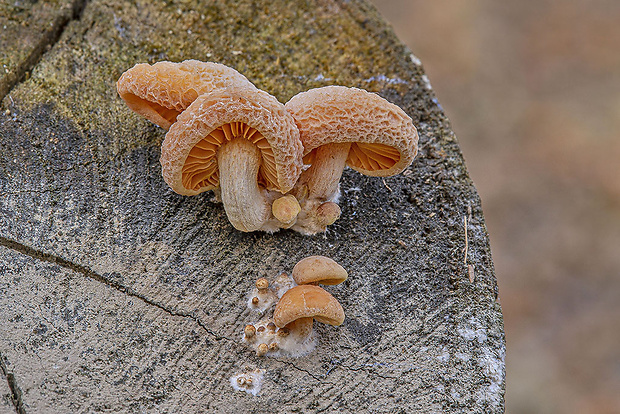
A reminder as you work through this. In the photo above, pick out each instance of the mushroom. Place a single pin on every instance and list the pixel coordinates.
(249, 332)
(346, 126)
(300, 305)
(289, 332)
(285, 209)
(318, 269)
(160, 92)
(241, 140)
(262, 350)
(261, 336)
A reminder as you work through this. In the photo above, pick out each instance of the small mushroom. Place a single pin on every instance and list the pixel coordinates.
(249, 381)
(301, 304)
(346, 126)
(262, 285)
(262, 350)
(319, 269)
(286, 209)
(160, 92)
(241, 140)
(249, 332)
(326, 214)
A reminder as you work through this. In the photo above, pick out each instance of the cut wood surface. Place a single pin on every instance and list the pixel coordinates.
(118, 295)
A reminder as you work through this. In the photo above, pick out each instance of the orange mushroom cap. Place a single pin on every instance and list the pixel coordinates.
(188, 157)
(382, 136)
(308, 301)
(319, 269)
(160, 92)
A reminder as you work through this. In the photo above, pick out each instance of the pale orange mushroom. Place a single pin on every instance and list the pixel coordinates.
(240, 140)
(319, 270)
(297, 308)
(346, 126)
(160, 92)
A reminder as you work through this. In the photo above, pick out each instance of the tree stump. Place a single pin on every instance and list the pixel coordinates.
(118, 295)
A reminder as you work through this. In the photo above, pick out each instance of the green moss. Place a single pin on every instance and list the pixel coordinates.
(283, 49)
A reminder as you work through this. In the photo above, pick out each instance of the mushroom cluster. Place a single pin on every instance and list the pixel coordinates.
(272, 166)
(289, 331)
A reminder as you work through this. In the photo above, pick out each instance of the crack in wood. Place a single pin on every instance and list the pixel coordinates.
(49, 258)
(48, 40)
(16, 393)
(363, 369)
(318, 379)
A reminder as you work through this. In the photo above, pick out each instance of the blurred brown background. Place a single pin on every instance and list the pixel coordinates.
(532, 88)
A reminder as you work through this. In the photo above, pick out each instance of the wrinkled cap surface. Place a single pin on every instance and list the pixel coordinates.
(319, 269)
(188, 153)
(382, 136)
(308, 301)
(160, 92)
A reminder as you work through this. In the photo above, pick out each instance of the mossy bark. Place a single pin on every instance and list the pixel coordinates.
(117, 294)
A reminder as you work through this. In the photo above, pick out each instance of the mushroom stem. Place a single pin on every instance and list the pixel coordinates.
(323, 176)
(301, 327)
(244, 201)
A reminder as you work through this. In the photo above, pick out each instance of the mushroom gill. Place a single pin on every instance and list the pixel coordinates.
(201, 170)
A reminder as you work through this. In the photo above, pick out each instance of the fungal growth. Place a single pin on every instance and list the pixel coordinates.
(282, 284)
(226, 135)
(160, 92)
(249, 381)
(300, 305)
(289, 332)
(345, 126)
(265, 338)
(240, 140)
(319, 270)
(285, 209)
(261, 298)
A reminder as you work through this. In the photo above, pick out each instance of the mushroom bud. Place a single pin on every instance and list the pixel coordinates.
(249, 332)
(261, 297)
(262, 350)
(262, 285)
(286, 209)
